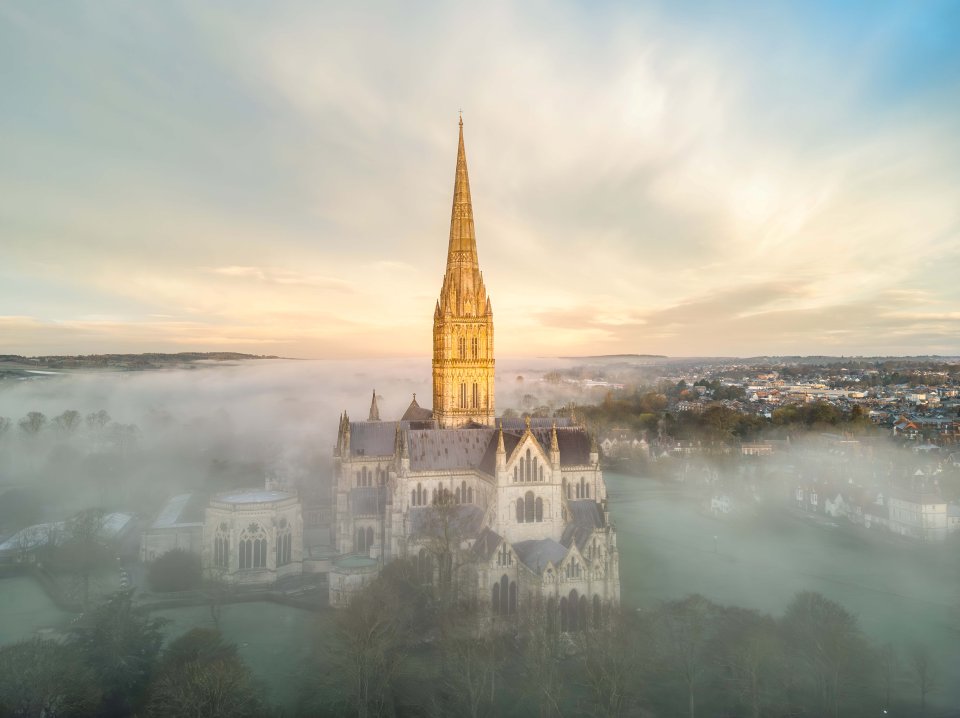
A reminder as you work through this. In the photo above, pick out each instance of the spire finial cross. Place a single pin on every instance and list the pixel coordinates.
(461, 116)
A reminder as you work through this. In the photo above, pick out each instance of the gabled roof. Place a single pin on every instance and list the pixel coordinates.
(415, 412)
(536, 554)
(585, 516)
(486, 544)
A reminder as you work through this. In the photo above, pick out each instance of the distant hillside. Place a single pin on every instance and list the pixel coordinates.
(125, 361)
(619, 356)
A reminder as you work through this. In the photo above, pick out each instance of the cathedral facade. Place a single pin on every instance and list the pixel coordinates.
(516, 509)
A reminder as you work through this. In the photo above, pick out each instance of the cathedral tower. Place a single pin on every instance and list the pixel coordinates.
(462, 321)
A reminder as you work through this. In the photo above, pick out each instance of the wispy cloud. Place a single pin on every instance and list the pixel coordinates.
(644, 179)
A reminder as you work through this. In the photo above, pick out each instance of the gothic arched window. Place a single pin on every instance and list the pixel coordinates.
(476, 395)
(463, 395)
(470, 495)
(221, 547)
(495, 599)
(526, 470)
(462, 347)
(253, 547)
(539, 509)
(533, 476)
(476, 347)
(529, 512)
(284, 543)
(457, 495)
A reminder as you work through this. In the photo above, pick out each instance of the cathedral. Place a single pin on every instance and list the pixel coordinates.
(516, 509)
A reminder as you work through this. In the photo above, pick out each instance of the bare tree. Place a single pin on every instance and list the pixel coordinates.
(97, 420)
(32, 423)
(67, 422)
(924, 674)
(681, 639)
(543, 648)
(611, 662)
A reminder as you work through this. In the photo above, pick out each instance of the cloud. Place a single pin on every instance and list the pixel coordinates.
(631, 168)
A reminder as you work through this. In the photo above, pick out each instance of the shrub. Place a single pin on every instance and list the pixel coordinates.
(176, 570)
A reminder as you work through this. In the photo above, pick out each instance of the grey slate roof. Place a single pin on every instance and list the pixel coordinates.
(585, 516)
(415, 412)
(372, 438)
(486, 544)
(574, 443)
(447, 449)
(536, 553)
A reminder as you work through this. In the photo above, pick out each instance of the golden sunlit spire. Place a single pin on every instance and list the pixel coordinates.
(462, 250)
(463, 364)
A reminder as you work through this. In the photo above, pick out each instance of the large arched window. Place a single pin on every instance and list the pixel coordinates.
(503, 598)
(519, 511)
(539, 509)
(284, 543)
(462, 347)
(529, 512)
(253, 547)
(475, 346)
(534, 473)
(221, 547)
(457, 496)
(463, 395)
(526, 468)
(469, 494)
(476, 395)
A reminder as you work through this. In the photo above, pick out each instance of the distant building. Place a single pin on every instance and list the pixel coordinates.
(178, 525)
(919, 514)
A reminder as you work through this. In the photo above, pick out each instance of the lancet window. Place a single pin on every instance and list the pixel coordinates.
(221, 547)
(284, 543)
(253, 547)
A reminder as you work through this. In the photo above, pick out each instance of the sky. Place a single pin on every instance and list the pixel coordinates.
(714, 178)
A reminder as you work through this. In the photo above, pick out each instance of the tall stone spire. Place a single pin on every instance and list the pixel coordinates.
(463, 364)
(374, 409)
(462, 250)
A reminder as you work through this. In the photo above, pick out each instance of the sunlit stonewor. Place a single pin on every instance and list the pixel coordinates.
(521, 504)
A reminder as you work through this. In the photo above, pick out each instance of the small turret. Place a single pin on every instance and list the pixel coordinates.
(554, 448)
(401, 451)
(374, 409)
(501, 451)
(345, 446)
